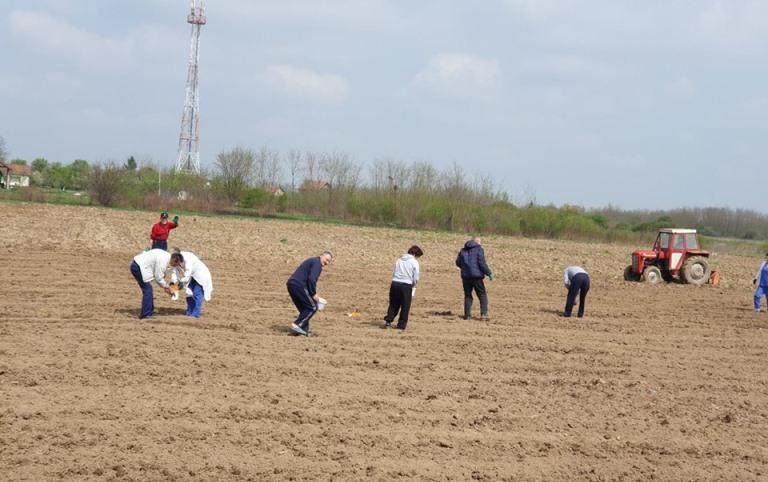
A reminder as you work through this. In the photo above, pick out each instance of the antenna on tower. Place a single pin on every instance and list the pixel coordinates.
(189, 139)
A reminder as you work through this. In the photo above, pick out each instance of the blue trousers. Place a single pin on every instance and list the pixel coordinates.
(579, 286)
(304, 303)
(157, 244)
(759, 293)
(147, 296)
(195, 302)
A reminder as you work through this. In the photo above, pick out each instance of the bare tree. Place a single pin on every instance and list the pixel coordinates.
(267, 167)
(340, 171)
(425, 178)
(390, 174)
(105, 182)
(454, 181)
(3, 150)
(311, 160)
(236, 168)
(378, 173)
(294, 160)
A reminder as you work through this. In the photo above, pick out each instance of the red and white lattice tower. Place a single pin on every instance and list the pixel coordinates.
(189, 139)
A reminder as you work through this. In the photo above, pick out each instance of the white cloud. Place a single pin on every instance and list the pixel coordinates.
(571, 66)
(300, 82)
(729, 22)
(460, 74)
(56, 36)
(540, 9)
(681, 88)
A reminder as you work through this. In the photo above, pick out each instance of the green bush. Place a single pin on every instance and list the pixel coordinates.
(253, 197)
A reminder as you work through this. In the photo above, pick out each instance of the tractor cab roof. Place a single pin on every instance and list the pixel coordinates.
(677, 231)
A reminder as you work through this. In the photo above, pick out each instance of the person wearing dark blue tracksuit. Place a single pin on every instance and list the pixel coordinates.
(761, 280)
(302, 287)
(577, 282)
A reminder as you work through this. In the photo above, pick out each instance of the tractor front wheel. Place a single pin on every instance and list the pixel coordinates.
(695, 270)
(630, 275)
(652, 275)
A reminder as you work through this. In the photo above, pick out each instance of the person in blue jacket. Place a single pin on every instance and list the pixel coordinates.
(474, 269)
(302, 287)
(761, 280)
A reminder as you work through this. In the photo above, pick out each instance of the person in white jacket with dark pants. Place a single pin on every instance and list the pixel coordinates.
(148, 266)
(199, 285)
(404, 280)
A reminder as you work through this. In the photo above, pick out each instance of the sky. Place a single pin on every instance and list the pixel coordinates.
(647, 104)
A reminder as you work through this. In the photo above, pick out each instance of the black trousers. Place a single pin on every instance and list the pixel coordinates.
(400, 296)
(478, 286)
(304, 303)
(579, 286)
(158, 244)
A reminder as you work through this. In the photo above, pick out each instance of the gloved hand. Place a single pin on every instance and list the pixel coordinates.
(491, 277)
(176, 220)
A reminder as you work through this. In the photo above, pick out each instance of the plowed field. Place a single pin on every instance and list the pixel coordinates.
(656, 383)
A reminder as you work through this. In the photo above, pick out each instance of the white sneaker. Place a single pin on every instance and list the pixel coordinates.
(297, 329)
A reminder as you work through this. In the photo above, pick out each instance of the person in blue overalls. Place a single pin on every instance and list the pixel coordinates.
(761, 280)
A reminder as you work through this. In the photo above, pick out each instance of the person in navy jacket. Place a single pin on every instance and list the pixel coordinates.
(302, 287)
(474, 269)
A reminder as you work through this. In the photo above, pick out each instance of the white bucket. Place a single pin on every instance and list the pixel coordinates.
(321, 302)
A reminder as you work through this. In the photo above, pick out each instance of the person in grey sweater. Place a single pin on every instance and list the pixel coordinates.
(576, 280)
(401, 290)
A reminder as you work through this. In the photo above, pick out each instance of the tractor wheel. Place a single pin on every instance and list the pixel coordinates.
(695, 270)
(652, 275)
(630, 275)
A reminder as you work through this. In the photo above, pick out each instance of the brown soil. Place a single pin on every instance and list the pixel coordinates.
(657, 382)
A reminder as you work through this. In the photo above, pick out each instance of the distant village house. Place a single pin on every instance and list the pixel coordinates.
(310, 185)
(275, 191)
(14, 175)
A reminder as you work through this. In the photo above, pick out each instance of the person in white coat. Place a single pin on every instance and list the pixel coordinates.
(404, 279)
(151, 266)
(196, 276)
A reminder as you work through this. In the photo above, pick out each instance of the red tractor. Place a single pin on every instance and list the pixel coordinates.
(676, 253)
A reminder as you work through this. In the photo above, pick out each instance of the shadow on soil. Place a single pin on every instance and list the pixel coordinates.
(158, 311)
(552, 312)
(281, 328)
(373, 323)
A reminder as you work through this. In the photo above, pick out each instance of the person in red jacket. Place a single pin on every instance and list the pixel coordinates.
(160, 231)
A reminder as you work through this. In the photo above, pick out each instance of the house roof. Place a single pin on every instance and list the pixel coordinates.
(19, 170)
(677, 231)
(310, 184)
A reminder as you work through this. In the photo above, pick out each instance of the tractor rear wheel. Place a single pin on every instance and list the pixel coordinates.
(652, 275)
(695, 270)
(630, 275)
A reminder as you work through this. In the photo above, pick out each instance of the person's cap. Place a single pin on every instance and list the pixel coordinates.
(164, 214)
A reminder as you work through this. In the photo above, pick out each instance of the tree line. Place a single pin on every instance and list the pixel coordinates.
(386, 192)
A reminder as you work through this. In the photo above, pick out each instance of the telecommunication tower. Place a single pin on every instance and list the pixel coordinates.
(189, 139)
